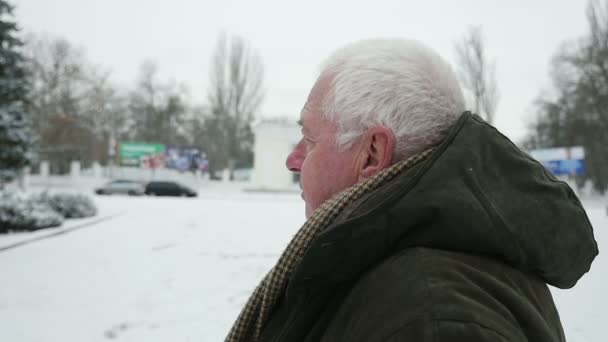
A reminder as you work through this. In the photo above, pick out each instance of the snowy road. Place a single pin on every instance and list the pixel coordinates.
(164, 270)
(180, 270)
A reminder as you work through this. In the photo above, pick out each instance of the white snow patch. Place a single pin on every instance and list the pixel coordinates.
(178, 269)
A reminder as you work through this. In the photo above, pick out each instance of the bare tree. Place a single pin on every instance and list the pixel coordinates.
(477, 74)
(158, 108)
(235, 96)
(75, 108)
(577, 113)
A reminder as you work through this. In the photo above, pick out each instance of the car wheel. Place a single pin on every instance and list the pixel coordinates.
(131, 193)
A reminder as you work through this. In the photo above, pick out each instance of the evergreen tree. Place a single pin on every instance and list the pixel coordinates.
(16, 133)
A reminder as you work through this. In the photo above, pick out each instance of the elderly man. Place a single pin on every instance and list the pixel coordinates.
(424, 223)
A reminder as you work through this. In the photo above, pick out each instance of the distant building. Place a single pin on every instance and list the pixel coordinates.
(274, 140)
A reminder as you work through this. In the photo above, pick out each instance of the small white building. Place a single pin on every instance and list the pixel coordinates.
(274, 140)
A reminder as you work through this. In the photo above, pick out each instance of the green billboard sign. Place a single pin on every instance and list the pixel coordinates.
(134, 153)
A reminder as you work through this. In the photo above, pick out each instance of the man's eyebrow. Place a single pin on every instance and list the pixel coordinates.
(300, 123)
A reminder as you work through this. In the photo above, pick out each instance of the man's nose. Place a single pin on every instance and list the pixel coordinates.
(294, 160)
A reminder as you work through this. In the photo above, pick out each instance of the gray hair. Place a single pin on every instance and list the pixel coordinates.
(400, 84)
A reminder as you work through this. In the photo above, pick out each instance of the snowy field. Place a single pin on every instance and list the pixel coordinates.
(177, 269)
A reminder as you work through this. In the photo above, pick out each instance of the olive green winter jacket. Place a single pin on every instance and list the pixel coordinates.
(460, 247)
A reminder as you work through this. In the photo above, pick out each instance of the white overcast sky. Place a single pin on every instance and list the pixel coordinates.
(293, 37)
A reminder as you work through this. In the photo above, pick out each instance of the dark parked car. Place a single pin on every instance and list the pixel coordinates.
(157, 188)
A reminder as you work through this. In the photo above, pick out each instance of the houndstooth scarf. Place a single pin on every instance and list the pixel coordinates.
(254, 315)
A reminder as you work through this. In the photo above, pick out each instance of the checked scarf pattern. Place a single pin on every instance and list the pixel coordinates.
(255, 314)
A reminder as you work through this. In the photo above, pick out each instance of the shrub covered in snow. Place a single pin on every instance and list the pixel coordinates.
(18, 214)
(68, 205)
(41, 211)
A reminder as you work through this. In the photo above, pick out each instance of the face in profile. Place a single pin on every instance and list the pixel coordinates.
(324, 169)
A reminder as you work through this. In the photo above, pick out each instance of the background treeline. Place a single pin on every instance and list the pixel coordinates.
(77, 110)
(56, 105)
(575, 111)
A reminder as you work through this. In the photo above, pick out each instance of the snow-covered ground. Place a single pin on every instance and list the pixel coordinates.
(177, 269)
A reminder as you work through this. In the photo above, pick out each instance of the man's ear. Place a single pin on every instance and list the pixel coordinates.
(376, 151)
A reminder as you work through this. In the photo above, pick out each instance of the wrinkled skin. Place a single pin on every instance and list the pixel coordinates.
(324, 169)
